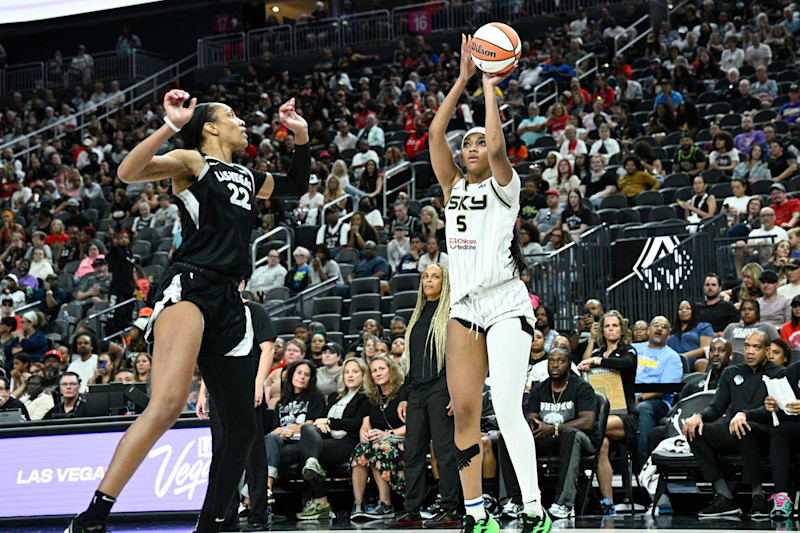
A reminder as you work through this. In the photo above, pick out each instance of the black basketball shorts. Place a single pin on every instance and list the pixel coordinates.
(227, 325)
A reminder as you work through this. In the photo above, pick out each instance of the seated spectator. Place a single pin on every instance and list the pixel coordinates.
(380, 450)
(24, 277)
(334, 232)
(575, 218)
(8, 324)
(658, 363)
(433, 226)
(571, 146)
(8, 402)
(545, 321)
(529, 237)
(566, 424)
(144, 219)
(433, 255)
(750, 137)
(300, 403)
(268, 276)
(557, 117)
(611, 352)
(790, 331)
(329, 364)
(335, 188)
(28, 338)
(371, 182)
(361, 231)
(787, 211)
(298, 279)
(104, 373)
(742, 391)
(781, 253)
(724, 157)
(690, 336)
(753, 168)
(719, 357)
(41, 267)
(330, 440)
(166, 215)
(323, 267)
(517, 151)
(781, 164)
(94, 287)
(667, 96)
(417, 141)
(84, 359)
(50, 295)
(71, 404)
(775, 309)
(372, 132)
(750, 314)
(715, 310)
(757, 54)
(398, 247)
(627, 90)
(635, 180)
(363, 155)
(764, 89)
(566, 180)
(701, 205)
(606, 147)
(531, 129)
(410, 224)
(409, 263)
(311, 201)
(690, 158)
(768, 232)
(36, 399)
(780, 353)
(547, 219)
(662, 120)
(86, 266)
(372, 265)
(371, 214)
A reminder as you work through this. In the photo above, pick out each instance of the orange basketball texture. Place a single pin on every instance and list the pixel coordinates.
(496, 48)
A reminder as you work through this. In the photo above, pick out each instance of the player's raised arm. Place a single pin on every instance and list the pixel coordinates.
(142, 163)
(441, 157)
(295, 183)
(495, 141)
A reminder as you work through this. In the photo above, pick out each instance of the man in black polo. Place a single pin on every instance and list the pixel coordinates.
(714, 310)
(736, 421)
(8, 402)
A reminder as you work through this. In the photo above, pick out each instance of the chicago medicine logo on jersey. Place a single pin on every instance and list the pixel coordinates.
(464, 203)
(241, 187)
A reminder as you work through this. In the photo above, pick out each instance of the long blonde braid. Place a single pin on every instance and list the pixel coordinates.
(438, 329)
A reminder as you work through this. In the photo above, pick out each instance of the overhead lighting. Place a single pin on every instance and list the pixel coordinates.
(275, 9)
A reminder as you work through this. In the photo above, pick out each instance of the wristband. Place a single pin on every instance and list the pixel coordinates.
(169, 123)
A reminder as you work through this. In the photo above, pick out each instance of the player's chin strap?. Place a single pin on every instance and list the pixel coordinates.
(296, 181)
(464, 457)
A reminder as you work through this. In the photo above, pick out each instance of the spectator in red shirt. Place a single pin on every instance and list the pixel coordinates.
(517, 152)
(575, 86)
(620, 67)
(417, 141)
(787, 212)
(602, 91)
(58, 235)
(9, 227)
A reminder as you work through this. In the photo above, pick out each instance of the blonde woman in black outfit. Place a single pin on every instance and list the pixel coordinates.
(610, 350)
(426, 410)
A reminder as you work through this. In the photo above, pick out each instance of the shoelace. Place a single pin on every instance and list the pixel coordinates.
(780, 499)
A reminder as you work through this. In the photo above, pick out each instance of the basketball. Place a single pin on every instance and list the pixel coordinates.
(496, 48)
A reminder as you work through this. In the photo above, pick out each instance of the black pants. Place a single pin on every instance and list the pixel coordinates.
(121, 317)
(570, 445)
(427, 420)
(256, 472)
(780, 453)
(231, 384)
(327, 450)
(717, 440)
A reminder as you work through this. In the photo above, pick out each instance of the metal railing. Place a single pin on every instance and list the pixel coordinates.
(630, 32)
(27, 306)
(146, 88)
(325, 207)
(541, 87)
(398, 170)
(643, 35)
(98, 320)
(257, 262)
(376, 26)
(298, 302)
(29, 77)
(587, 58)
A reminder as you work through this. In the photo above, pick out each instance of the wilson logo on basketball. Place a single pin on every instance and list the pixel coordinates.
(478, 49)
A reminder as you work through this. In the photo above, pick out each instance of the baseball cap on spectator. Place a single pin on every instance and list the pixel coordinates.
(99, 261)
(334, 347)
(88, 141)
(778, 186)
(324, 154)
(769, 276)
(363, 79)
(7, 302)
(656, 60)
(793, 263)
(551, 191)
(141, 323)
(793, 88)
(313, 179)
(796, 301)
(53, 354)
(145, 312)
(72, 202)
(90, 231)
(12, 276)
(264, 96)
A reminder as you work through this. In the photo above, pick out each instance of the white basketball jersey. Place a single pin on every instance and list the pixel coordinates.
(480, 219)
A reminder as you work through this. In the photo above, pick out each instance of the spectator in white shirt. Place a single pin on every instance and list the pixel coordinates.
(360, 159)
(606, 146)
(732, 56)
(768, 229)
(758, 54)
(311, 202)
(398, 247)
(166, 214)
(344, 140)
(373, 132)
(267, 277)
(84, 361)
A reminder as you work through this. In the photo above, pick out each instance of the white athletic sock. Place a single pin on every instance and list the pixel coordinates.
(508, 347)
(475, 508)
(533, 508)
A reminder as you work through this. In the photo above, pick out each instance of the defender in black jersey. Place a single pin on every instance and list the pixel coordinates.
(199, 316)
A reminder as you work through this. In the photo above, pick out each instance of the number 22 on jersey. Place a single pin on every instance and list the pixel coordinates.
(240, 196)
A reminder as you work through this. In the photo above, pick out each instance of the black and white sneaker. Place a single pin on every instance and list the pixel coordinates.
(720, 506)
(270, 497)
(75, 527)
(380, 512)
(760, 508)
(358, 511)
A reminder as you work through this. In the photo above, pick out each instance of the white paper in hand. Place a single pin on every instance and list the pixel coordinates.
(780, 389)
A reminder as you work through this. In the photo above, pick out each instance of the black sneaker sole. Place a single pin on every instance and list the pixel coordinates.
(731, 512)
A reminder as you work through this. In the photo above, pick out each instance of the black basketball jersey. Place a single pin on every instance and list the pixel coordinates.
(218, 213)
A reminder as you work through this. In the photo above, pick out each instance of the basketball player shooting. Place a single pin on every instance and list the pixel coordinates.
(198, 309)
(491, 317)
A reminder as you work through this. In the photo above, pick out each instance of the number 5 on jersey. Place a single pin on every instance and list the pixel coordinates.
(240, 196)
(461, 223)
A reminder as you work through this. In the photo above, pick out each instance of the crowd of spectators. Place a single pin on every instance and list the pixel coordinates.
(703, 123)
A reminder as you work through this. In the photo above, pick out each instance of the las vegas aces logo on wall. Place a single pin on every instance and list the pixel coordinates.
(668, 274)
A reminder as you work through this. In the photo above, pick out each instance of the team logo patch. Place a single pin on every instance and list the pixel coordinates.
(455, 243)
(738, 379)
